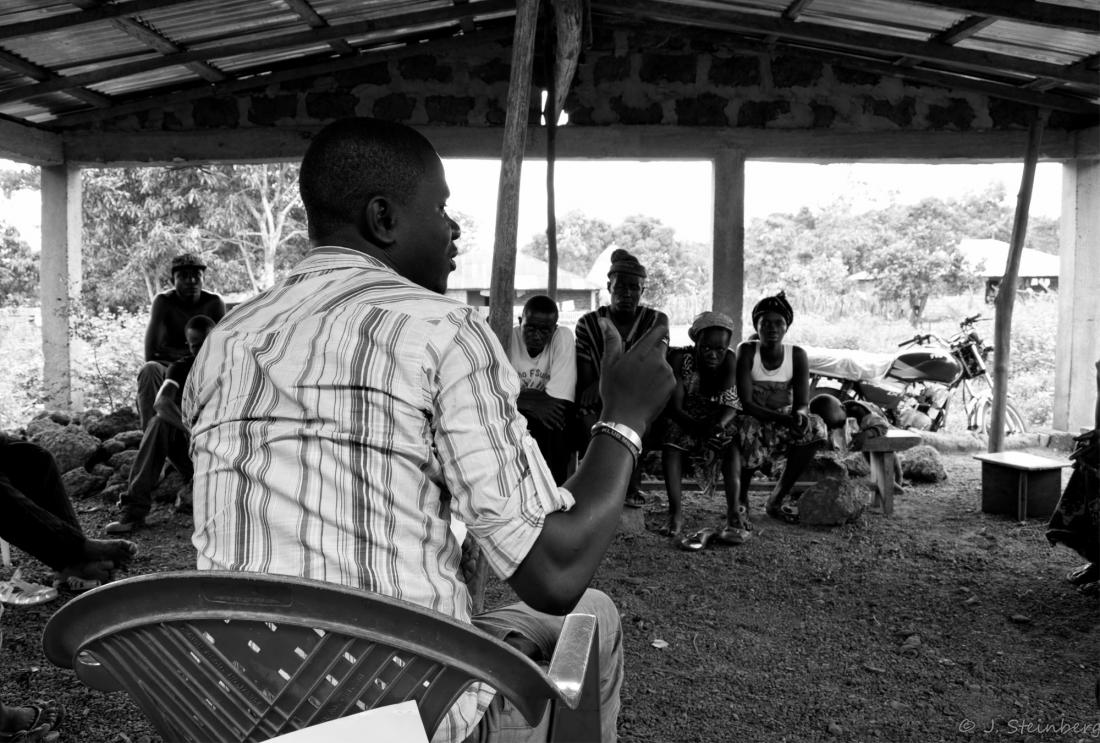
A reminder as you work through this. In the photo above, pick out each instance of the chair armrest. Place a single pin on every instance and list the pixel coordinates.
(574, 656)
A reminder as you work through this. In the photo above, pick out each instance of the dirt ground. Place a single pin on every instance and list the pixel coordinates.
(939, 623)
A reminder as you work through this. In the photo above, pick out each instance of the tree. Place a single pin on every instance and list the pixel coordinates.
(18, 269)
(262, 217)
(922, 260)
(581, 239)
(26, 179)
(674, 269)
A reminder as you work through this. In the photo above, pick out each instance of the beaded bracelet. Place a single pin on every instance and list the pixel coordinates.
(624, 434)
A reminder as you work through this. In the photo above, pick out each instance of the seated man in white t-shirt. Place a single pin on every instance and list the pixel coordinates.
(545, 357)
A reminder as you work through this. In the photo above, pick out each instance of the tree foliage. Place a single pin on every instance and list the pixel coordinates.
(581, 239)
(18, 269)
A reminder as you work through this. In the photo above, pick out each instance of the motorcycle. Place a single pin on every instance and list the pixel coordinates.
(913, 388)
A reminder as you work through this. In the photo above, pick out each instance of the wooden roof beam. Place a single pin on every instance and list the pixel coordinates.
(263, 78)
(884, 44)
(306, 12)
(92, 15)
(1025, 11)
(964, 29)
(152, 38)
(17, 64)
(284, 41)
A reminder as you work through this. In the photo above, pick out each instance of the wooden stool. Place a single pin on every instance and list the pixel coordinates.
(883, 463)
(1020, 483)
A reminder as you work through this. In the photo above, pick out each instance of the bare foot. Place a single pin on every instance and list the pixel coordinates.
(118, 551)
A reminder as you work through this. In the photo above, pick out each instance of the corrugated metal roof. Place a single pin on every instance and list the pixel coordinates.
(56, 59)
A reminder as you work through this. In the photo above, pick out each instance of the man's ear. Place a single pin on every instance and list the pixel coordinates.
(379, 221)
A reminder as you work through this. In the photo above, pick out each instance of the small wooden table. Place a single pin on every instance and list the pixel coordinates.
(1019, 483)
(883, 463)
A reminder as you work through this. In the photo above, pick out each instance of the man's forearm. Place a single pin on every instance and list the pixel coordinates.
(572, 544)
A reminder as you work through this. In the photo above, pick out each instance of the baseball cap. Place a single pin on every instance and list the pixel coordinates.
(187, 260)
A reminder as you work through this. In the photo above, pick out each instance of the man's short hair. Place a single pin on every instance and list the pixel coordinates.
(187, 260)
(353, 160)
(201, 323)
(541, 303)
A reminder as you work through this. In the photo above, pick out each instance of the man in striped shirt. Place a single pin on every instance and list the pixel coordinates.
(340, 420)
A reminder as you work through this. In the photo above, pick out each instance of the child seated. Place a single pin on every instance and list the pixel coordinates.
(773, 381)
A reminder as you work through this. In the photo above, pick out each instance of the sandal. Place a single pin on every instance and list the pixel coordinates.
(18, 592)
(785, 513)
(731, 536)
(697, 541)
(47, 718)
(634, 500)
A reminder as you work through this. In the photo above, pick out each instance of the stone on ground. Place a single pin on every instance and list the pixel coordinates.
(923, 464)
(832, 501)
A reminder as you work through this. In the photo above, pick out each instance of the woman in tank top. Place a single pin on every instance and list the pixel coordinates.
(773, 382)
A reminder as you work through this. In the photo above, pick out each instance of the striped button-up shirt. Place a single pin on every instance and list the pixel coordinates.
(340, 418)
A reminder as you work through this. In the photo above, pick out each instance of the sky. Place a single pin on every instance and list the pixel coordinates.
(679, 192)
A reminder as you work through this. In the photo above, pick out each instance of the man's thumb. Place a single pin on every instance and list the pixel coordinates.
(612, 341)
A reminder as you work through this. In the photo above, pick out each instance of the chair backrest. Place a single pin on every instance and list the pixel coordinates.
(220, 656)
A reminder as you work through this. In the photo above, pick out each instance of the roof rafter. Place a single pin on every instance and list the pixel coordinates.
(308, 38)
(253, 79)
(306, 12)
(152, 38)
(17, 64)
(93, 15)
(802, 31)
(964, 29)
(1025, 11)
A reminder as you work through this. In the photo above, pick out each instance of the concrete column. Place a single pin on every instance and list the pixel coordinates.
(1078, 336)
(60, 279)
(728, 293)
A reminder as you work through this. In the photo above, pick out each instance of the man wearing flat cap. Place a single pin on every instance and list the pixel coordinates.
(165, 340)
(626, 284)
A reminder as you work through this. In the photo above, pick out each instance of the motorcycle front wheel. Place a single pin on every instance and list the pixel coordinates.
(1014, 422)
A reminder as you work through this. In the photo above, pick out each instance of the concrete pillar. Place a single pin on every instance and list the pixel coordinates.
(728, 293)
(1078, 336)
(60, 279)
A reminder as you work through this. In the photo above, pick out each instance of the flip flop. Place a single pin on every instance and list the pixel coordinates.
(731, 536)
(1082, 574)
(697, 541)
(785, 513)
(76, 584)
(18, 592)
(634, 500)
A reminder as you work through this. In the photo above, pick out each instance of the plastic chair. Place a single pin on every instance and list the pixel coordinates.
(221, 656)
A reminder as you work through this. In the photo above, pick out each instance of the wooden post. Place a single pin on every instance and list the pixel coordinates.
(59, 269)
(502, 283)
(728, 290)
(562, 65)
(1006, 295)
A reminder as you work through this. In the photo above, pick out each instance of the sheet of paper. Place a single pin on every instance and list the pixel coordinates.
(397, 723)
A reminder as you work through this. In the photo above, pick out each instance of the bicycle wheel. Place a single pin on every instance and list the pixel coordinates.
(1014, 422)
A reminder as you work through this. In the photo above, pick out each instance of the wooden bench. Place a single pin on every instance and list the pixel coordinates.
(1020, 483)
(883, 451)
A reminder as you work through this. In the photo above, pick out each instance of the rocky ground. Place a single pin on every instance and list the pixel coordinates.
(940, 623)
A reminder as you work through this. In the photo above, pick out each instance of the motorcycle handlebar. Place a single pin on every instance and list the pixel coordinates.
(971, 320)
(919, 339)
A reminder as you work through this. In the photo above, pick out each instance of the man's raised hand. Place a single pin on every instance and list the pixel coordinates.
(636, 384)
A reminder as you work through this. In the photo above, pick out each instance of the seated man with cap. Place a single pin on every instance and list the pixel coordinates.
(165, 340)
(632, 320)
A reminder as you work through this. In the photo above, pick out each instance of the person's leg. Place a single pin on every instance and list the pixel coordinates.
(542, 630)
(551, 443)
(135, 503)
(672, 463)
(736, 502)
(150, 378)
(35, 513)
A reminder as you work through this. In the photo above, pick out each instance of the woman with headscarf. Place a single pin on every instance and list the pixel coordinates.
(773, 383)
(626, 284)
(701, 425)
